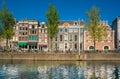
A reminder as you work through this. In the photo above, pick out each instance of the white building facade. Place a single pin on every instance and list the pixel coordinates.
(70, 37)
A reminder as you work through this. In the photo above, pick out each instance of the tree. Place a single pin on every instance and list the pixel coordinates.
(96, 31)
(52, 23)
(8, 22)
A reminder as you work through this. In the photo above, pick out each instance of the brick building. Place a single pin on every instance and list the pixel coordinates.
(43, 38)
(26, 34)
(106, 44)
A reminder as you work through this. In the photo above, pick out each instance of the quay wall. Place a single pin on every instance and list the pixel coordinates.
(61, 56)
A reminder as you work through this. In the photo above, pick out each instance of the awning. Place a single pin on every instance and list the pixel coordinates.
(22, 43)
(42, 44)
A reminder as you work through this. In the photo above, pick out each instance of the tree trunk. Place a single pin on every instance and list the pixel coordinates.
(7, 43)
(94, 45)
(7, 47)
(51, 44)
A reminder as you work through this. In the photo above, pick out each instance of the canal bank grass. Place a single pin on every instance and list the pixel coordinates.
(61, 56)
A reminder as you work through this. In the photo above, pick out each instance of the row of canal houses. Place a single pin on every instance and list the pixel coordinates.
(72, 36)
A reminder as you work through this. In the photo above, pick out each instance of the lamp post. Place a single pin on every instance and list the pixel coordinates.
(79, 37)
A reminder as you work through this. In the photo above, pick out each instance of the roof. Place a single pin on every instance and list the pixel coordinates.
(71, 22)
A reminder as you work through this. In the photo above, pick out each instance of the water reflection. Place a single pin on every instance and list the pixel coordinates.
(59, 70)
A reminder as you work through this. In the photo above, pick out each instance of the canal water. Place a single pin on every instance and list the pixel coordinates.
(24, 69)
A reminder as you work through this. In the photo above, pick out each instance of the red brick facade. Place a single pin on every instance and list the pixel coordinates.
(107, 42)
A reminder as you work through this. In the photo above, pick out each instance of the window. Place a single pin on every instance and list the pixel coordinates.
(20, 28)
(61, 29)
(70, 29)
(106, 48)
(23, 33)
(91, 48)
(70, 45)
(66, 30)
(42, 30)
(32, 31)
(61, 46)
(56, 46)
(76, 23)
(56, 38)
(70, 37)
(75, 37)
(75, 29)
(33, 26)
(43, 25)
(65, 37)
(65, 45)
(60, 37)
(32, 37)
(75, 45)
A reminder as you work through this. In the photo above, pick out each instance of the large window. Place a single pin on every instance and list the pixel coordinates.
(75, 37)
(106, 48)
(75, 45)
(65, 46)
(56, 38)
(61, 37)
(32, 31)
(43, 31)
(56, 46)
(32, 37)
(66, 37)
(75, 29)
(91, 48)
(21, 28)
(61, 46)
(70, 37)
(66, 30)
(70, 45)
(61, 29)
(70, 29)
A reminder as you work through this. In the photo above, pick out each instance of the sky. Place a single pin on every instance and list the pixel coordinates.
(68, 9)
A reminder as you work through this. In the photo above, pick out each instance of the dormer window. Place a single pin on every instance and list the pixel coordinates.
(43, 26)
(75, 23)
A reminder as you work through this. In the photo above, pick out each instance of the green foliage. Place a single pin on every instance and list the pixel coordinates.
(96, 31)
(8, 23)
(52, 23)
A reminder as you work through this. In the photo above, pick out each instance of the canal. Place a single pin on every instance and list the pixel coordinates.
(25, 69)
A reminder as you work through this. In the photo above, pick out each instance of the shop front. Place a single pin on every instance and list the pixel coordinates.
(43, 47)
(22, 45)
(32, 46)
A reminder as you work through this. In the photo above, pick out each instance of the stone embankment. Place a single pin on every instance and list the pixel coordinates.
(60, 56)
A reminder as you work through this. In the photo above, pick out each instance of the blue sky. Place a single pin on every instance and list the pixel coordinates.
(68, 9)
